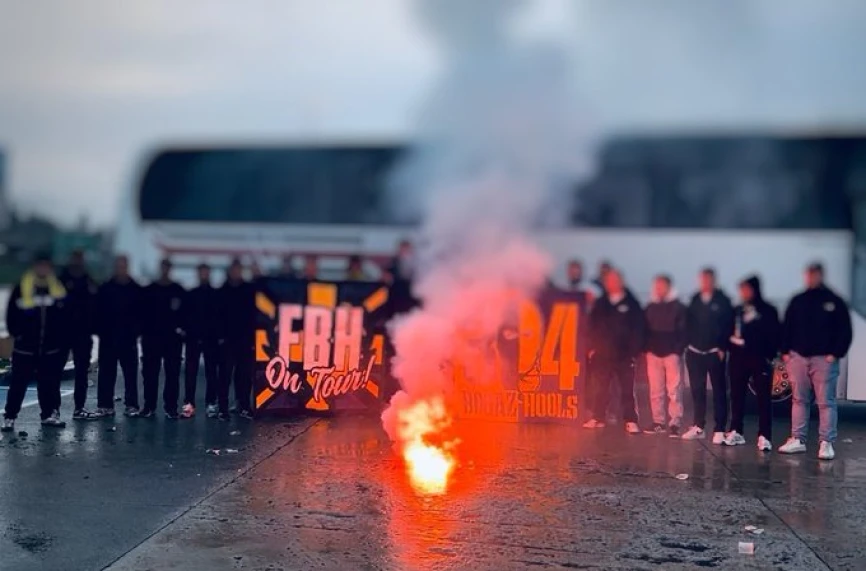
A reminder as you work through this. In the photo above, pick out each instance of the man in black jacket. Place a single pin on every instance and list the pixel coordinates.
(753, 348)
(816, 335)
(203, 335)
(237, 308)
(709, 325)
(666, 340)
(118, 325)
(616, 339)
(80, 296)
(37, 320)
(162, 342)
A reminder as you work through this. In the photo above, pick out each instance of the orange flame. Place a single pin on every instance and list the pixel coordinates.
(429, 465)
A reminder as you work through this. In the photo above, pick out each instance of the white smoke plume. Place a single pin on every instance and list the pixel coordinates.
(501, 149)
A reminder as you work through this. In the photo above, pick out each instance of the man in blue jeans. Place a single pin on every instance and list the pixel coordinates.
(815, 336)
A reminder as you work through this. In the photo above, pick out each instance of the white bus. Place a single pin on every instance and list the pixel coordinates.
(743, 204)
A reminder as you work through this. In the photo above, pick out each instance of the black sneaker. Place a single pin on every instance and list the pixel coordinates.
(146, 413)
(83, 414)
(246, 414)
(8, 425)
(132, 412)
(674, 431)
(656, 429)
(172, 415)
(54, 421)
(223, 416)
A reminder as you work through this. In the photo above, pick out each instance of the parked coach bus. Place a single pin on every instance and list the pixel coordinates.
(744, 204)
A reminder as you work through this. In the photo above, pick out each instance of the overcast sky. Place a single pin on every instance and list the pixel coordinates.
(86, 88)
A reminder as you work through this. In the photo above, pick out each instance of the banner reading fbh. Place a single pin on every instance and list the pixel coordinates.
(323, 346)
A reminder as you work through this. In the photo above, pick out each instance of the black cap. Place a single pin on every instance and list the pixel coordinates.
(815, 268)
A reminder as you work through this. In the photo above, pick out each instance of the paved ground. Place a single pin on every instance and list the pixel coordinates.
(330, 494)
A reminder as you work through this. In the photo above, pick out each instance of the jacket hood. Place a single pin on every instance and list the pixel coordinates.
(672, 295)
(755, 283)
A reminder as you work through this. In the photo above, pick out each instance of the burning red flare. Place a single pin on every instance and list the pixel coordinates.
(428, 463)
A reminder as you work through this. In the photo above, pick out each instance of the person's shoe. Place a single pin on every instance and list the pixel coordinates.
(793, 446)
(171, 415)
(54, 421)
(131, 412)
(146, 413)
(8, 425)
(223, 417)
(656, 429)
(764, 445)
(734, 438)
(826, 452)
(593, 423)
(188, 411)
(233, 409)
(246, 414)
(105, 412)
(694, 433)
(83, 414)
(632, 428)
(718, 437)
(212, 411)
(673, 431)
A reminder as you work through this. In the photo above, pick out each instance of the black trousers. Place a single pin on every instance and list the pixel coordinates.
(81, 348)
(111, 353)
(699, 366)
(161, 351)
(607, 373)
(741, 369)
(196, 348)
(237, 367)
(46, 370)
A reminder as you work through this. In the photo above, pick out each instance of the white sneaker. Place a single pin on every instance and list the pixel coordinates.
(8, 425)
(54, 421)
(734, 438)
(826, 452)
(764, 445)
(718, 437)
(212, 411)
(188, 411)
(694, 433)
(793, 446)
(593, 423)
(632, 428)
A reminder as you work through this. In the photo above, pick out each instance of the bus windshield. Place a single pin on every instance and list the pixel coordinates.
(651, 182)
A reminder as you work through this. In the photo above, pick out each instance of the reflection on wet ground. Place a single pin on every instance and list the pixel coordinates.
(331, 494)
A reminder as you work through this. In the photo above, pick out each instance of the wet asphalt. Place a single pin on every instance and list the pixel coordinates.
(331, 494)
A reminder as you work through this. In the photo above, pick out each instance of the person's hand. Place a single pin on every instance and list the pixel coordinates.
(830, 359)
(591, 353)
(786, 357)
(721, 355)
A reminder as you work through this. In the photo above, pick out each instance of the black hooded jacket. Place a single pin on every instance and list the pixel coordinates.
(37, 319)
(237, 309)
(757, 324)
(202, 313)
(666, 326)
(616, 330)
(162, 312)
(709, 325)
(80, 301)
(119, 311)
(817, 322)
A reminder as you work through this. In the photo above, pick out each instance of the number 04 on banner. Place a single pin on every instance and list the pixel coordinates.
(550, 350)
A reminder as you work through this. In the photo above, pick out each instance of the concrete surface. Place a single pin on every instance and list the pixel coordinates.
(330, 494)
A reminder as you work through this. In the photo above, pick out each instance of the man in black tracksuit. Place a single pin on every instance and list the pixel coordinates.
(162, 342)
(118, 325)
(616, 338)
(203, 334)
(80, 296)
(237, 308)
(709, 326)
(37, 321)
(753, 347)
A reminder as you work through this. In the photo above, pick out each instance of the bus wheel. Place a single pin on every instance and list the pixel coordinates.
(781, 388)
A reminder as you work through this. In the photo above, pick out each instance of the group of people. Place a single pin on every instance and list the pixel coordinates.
(51, 316)
(54, 316)
(732, 345)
